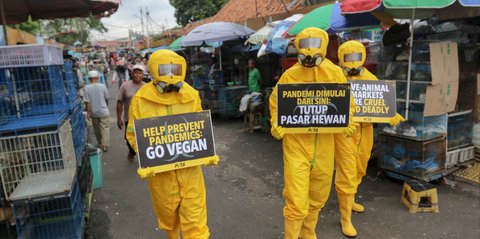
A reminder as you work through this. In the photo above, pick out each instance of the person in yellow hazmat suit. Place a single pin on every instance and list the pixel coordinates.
(308, 158)
(178, 196)
(352, 161)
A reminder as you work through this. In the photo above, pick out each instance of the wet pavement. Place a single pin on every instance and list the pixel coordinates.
(244, 196)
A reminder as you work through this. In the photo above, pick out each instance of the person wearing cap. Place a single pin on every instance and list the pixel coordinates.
(91, 67)
(127, 91)
(96, 100)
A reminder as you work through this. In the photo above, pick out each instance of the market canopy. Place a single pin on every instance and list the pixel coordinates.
(277, 43)
(330, 18)
(414, 9)
(442, 9)
(16, 11)
(215, 32)
(175, 45)
(262, 35)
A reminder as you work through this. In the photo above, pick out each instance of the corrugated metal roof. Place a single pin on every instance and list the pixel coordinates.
(241, 10)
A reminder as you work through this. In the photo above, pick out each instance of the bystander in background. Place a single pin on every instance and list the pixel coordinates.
(127, 91)
(96, 100)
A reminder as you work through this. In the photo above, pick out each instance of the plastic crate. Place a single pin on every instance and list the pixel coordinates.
(468, 53)
(38, 164)
(7, 229)
(460, 129)
(79, 132)
(452, 158)
(411, 157)
(466, 154)
(419, 126)
(229, 100)
(51, 217)
(418, 90)
(420, 52)
(30, 55)
(460, 37)
(32, 91)
(199, 82)
(85, 180)
(31, 125)
(85, 176)
(392, 70)
(71, 83)
(232, 93)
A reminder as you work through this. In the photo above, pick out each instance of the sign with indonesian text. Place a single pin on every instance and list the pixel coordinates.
(313, 108)
(174, 141)
(375, 101)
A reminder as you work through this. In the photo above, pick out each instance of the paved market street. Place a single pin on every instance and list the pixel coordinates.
(244, 196)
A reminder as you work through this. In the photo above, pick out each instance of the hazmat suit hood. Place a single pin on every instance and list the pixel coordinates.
(311, 44)
(351, 55)
(167, 66)
(168, 87)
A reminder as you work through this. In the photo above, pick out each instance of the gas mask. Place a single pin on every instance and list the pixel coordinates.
(352, 57)
(168, 70)
(311, 44)
(163, 87)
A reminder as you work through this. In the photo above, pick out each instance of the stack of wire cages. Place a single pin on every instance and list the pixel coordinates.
(60, 216)
(30, 55)
(32, 92)
(229, 100)
(7, 223)
(37, 165)
(71, 84)
(79, 132)
(85, 180)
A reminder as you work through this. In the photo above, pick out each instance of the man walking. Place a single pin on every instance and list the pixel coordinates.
(127, 91)
(96, 99)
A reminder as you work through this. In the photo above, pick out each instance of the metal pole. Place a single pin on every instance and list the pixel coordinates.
(146, 22)
(409, 73)
(220, 56)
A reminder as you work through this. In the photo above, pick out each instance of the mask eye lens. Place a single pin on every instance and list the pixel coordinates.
(352, 57)
(169, 70)
(310, 43)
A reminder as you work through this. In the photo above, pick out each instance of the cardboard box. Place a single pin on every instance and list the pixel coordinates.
(442, 94)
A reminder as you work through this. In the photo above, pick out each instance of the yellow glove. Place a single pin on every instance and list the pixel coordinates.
(397, 119)
(145, 172)
(351, 129)
(213, 160)
(277, 132)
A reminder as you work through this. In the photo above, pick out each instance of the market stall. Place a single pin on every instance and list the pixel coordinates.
(430, 71)
(44, 191)
(215, 70)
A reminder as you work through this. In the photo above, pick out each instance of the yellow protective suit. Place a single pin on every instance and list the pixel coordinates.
(179, 196)
(352, 154)
(308, 158)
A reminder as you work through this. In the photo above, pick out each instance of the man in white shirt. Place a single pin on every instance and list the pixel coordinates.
(96, 100)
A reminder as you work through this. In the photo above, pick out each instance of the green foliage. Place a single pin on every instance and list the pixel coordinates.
(65, 31)
(32, 27)
(187, 11)
(68, 31)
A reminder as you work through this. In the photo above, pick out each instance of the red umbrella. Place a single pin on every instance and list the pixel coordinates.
(16, 11)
